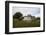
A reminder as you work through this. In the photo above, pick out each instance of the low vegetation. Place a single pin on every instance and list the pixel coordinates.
(26, 23)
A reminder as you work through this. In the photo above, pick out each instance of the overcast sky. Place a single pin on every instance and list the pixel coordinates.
(27, 10)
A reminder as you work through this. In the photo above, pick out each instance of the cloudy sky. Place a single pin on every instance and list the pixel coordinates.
(27, 10)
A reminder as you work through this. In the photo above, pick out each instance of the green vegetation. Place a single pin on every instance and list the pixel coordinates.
(26, 23)
(19, 22)
(17, 15)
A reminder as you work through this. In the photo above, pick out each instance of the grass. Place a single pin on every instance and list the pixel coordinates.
(30, 23)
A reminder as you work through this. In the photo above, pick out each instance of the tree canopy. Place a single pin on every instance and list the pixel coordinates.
(17, 15)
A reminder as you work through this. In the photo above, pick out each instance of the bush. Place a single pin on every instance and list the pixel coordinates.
(29, 23)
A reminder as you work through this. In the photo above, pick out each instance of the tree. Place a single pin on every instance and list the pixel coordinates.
(38, 18)
(29, 15)
(17, 15)
(21, 18)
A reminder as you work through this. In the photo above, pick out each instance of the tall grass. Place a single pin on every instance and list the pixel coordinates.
(26, 23)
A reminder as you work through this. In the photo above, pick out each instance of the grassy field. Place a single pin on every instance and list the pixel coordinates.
(30, 23)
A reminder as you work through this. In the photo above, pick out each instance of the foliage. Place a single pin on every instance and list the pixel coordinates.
(30, 23)
(17, 15)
